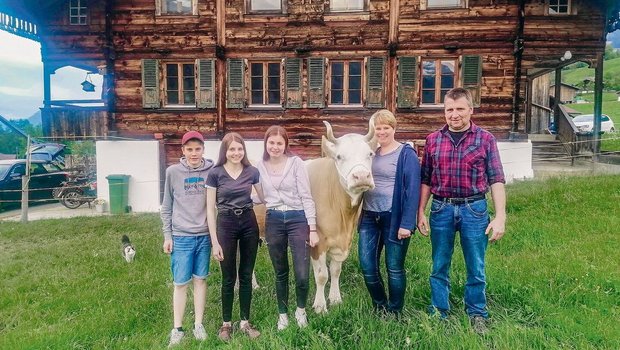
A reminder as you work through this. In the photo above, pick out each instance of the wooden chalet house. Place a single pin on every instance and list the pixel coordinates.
(243, 65)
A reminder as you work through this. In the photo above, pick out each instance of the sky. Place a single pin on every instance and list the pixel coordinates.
(21, 77)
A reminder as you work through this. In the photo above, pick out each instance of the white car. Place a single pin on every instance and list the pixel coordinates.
(585, 122)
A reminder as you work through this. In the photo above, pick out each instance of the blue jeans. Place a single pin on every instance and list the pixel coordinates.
(190, 258)
(284, 229)
(374, 232)
(471, 220)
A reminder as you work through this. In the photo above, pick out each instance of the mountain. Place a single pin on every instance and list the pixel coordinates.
(35, 118)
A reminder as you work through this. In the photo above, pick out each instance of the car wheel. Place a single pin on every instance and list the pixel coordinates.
(71, 199)
(612, 129)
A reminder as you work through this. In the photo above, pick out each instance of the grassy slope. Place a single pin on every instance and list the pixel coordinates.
(554, 282)
(576, 76)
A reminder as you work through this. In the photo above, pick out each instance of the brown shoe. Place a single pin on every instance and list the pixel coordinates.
(224, 333)
(250, 331)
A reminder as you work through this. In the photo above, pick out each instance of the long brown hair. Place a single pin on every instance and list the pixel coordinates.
(226, 141)
(273, 131)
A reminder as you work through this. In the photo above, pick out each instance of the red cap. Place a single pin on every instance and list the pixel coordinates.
(191, 135)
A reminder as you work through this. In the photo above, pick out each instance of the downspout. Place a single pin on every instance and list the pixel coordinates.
(518, 54)
(109, 78)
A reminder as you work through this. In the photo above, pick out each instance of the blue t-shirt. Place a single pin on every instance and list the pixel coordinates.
(233, 193)
(384, 173)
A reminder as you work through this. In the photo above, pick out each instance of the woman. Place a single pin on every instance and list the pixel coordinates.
(389, 215)
(290, 221)
(229, 186)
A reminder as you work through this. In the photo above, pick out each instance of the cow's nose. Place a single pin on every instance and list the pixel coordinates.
(361, 176)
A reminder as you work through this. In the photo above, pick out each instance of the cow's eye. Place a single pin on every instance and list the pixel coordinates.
(338, 157)
(371, 154)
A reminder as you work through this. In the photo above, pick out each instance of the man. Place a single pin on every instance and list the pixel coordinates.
(461, 161)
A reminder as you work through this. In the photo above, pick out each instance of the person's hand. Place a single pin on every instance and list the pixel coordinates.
(313, 239)
(497, 226)
(217, 252)
(167, 246)
(403, 233)
(423, 225)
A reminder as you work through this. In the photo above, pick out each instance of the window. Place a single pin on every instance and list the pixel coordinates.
(438, 76)
(345, 82)
(265, 83)
(559, 7)
(264, 6)
(445, 3)
(347, 5)
(180, 84)
(77, 12)
(177, 7)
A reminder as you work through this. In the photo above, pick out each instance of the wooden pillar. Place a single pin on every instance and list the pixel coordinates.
(598, 104)
(528, 108)
(557, 98)
(390, 89)
(220, 66)
(46, 112)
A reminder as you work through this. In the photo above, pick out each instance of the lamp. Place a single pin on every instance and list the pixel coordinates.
(87, 84)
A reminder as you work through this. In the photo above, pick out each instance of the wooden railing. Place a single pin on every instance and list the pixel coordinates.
(19, 26)
(79, 123)
(576, 142)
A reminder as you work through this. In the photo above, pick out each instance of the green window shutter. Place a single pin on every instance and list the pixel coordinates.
(375, 68)
(206, 83)
(407, 78)
(150, 83)
(471, 72)
(236, 96)
(292, 69)
(316, 82)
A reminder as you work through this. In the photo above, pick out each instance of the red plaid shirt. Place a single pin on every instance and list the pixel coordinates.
(464, 169)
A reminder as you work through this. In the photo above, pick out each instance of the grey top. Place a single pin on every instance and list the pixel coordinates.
(233, 193)
(184, 208)
(292, 188)
(384, 173)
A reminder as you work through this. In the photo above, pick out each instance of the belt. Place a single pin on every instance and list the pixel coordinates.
(236, 211)
(461, 200)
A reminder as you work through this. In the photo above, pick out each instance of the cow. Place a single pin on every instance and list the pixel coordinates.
(338, 182)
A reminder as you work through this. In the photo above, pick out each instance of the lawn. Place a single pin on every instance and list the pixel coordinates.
(554, 283)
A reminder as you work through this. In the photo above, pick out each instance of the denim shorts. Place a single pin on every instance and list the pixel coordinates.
(190, 258)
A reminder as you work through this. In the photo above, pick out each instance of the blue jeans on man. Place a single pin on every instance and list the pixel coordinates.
(374, 232)
(471, 220)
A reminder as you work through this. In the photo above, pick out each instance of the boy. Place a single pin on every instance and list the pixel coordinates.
(186, 235)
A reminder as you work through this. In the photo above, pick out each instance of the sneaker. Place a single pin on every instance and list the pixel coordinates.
(175, 337)
(479, 324)
(302, 319)
(224, 333)
(282, 322)
(199, 332)
(249, 330)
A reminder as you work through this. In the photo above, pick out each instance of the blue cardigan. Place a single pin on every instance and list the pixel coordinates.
(406, 193)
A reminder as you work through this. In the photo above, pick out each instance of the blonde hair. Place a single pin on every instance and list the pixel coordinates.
(384, 117)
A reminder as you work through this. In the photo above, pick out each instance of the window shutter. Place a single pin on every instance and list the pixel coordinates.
(374, 94)
(150, 83)
(235, 97)
(293, 82)
(407, 78)
(471, 72)
(316, 82)
(206, 83)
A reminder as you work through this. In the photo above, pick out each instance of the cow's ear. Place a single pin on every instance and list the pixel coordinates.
(328, 148)
(373, 144)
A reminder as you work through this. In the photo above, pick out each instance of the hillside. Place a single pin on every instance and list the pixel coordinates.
(611, 74)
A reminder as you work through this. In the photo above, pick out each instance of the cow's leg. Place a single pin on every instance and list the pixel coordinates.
(335, 267)
(320, 276)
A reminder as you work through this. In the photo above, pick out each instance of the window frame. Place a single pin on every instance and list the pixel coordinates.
(365, 6)
(81, 5)
(265, 86)
(438, 61)
(180, 90)
(161, 9)
(569, 8)
(428, 6)
(346, 78)
(280, 11)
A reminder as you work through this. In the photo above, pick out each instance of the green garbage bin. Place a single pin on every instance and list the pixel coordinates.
(119, 189)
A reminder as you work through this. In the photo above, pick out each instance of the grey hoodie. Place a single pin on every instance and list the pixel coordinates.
(184, 209)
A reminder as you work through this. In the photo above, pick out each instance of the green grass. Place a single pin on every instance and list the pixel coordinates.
(553, 283)
(576, 76)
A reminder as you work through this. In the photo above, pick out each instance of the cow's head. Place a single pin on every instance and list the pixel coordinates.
(352, 154)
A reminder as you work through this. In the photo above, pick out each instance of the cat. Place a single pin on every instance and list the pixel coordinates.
(128, 251)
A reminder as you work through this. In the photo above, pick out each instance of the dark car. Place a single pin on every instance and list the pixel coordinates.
(44, 176)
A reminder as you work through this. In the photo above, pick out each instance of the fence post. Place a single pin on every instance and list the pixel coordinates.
(25, 182)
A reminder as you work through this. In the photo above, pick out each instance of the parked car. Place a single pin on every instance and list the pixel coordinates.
(44, 177)
(585, 122)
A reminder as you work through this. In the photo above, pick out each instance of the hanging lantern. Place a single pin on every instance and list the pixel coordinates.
(87, 84)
